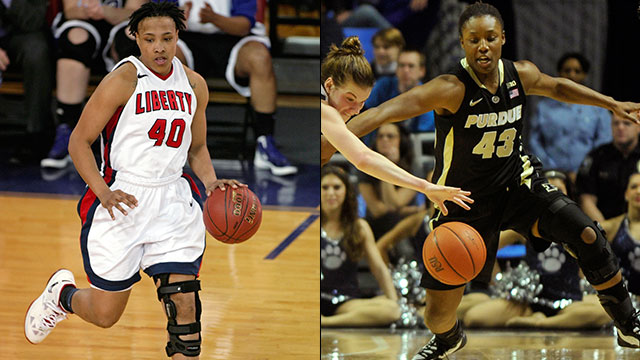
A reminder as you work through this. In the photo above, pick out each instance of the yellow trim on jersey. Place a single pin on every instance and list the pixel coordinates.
(447, 157)
(466, 66)
(527, 171)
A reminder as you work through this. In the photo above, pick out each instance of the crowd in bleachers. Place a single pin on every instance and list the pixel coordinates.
(586, 151)
(60, 44)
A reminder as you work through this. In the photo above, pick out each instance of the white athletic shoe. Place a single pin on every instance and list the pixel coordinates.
(45, 311)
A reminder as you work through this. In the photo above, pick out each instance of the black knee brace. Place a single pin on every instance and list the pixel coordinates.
(563, 222)
(84, 52)
(189, 348)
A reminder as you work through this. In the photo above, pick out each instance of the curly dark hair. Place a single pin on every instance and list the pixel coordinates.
(584, 63)
(352, 241)
(478, 9)
(157, 9)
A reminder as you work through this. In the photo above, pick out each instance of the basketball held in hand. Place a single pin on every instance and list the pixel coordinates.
(232, 216)
(454, 253)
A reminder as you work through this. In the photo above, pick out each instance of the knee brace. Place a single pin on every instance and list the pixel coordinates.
(189, 348)
(563, 222)
(84, 52)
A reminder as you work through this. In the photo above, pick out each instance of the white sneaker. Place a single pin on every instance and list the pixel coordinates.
(268, 157)
(45, 311)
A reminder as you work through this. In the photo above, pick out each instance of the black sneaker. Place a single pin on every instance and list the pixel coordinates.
(436, 349)
(629, 336)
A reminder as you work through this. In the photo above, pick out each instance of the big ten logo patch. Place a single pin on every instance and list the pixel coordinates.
(549, 188)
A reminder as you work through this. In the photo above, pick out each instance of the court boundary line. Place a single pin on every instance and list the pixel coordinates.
(294, 235)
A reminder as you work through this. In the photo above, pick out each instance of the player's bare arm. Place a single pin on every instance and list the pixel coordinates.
(113, 92)
(443, 94)
(536, 82)
(199, 157)
(377, 165)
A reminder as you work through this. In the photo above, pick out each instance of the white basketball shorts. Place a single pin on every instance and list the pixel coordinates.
(165, 233)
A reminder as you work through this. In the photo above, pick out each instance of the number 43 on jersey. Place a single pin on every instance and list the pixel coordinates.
(487, 145)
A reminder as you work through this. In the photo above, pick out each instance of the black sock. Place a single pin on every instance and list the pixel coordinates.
(616, 302)
(452, 336)
(265, 123)
(65, 297)
(68, 113)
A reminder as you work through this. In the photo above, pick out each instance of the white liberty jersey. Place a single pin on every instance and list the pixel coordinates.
(150, 136)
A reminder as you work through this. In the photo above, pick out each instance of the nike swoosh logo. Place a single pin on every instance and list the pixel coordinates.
(140, 76)
(473, 103)
(51, 287)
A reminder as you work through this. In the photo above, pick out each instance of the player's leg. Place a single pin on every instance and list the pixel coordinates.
(440, 318)
(61, 297)
(179, 296)
(564, 222)
(254, 61)
(376, 311)
(75, 52)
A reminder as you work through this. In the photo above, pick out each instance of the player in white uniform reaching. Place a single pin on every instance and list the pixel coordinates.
(150, 113)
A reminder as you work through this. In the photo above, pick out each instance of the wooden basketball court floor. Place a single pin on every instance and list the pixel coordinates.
(385, 344)
(254, 307)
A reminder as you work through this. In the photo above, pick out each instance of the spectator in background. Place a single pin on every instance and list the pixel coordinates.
(24, 46)
(344, 240)
(387, 45)
(223, 39)
(602, 178)
(623, 233)
(561, 134)
(81, 32)
(354, 14)
(409, 73)
(387, 203)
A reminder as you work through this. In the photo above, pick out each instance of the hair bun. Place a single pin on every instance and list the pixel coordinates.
(352, 46)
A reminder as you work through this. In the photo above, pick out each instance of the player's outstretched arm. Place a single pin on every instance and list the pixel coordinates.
(376, 165)
(536, 82)
(443, 94)
(113, 92)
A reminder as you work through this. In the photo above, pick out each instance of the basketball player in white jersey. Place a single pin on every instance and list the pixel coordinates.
(150, 112)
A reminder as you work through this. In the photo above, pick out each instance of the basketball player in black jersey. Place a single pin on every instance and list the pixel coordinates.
(479, 108)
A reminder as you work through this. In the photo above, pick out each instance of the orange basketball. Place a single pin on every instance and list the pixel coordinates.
(454, 253)
(232, 216)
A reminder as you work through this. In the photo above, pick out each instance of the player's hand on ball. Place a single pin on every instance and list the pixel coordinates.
(220, 183)
(439, 194)
(110, 199)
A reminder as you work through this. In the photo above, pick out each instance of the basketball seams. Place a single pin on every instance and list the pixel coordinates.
(242, 211)
(473, 263)
(435, 242)
(255, 223)
(239, 225)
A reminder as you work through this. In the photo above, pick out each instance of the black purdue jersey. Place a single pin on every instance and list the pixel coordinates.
(479, 148)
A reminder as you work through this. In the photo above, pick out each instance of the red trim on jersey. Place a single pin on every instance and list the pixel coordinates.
(89, 198)
(108, 135)
(163, 77)
(192, 183)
